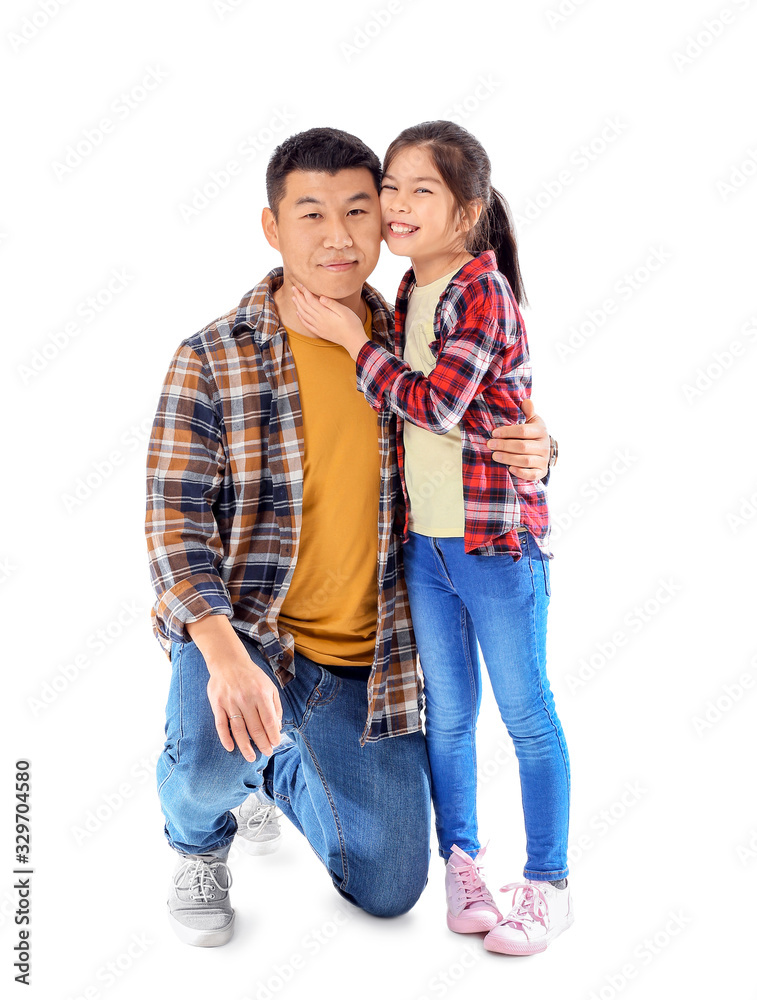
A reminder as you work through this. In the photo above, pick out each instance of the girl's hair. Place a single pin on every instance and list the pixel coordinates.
(466, 170)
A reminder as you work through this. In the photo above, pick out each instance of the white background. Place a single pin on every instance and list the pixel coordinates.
(653, 493)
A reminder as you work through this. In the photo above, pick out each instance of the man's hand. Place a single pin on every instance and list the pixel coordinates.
(244, 700)
(525, 447)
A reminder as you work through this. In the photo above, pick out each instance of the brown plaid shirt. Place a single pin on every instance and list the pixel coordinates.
(224, 499)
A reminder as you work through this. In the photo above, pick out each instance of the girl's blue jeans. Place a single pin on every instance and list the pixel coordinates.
(459, 601)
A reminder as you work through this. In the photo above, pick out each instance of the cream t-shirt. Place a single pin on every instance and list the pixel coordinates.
(433, 462)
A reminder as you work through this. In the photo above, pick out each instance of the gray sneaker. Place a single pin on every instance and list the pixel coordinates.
(199, 908)
(258, 829)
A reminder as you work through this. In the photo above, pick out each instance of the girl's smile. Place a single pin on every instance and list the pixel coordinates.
(401, 229)
(420, 216)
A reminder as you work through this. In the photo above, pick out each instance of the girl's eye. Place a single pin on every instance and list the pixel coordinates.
(424, 190)
(387, 187)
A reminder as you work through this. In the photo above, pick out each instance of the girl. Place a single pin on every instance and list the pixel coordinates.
(476, 538)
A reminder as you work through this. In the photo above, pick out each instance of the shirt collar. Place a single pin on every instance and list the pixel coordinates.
(483, 263)
(257, 310)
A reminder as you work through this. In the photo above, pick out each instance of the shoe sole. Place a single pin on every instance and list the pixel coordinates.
(524, 948)
(485, 922)
(199, 938)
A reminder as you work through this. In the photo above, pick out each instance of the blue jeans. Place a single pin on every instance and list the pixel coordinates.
(365, 811)
(455, 601)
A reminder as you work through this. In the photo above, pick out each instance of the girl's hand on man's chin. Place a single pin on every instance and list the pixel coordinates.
(329, 319)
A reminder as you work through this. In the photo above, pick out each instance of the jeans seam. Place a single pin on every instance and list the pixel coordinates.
(181, 705)
(541, 685)
(181, 724)
(334, 813)
(440, 559)
(316, 700)
(544, 570)
(474, 703)
(337, 681)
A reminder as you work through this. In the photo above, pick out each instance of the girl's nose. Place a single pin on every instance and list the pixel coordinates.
(398, 204)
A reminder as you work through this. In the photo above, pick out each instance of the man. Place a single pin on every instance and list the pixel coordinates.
(273, 514)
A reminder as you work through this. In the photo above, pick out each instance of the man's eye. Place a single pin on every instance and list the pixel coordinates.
(356, 211)
(312, 215)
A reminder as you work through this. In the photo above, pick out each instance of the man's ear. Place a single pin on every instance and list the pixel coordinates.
(270, 229)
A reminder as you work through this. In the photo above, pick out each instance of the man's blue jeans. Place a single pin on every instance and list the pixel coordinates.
(456, 599)
(365, 811)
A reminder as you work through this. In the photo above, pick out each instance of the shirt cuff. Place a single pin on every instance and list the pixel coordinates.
(377, 369)
(188, 601)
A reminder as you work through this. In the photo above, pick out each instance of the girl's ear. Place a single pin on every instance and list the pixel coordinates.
(469, 220)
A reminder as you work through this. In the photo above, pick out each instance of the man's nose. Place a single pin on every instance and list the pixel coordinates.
(338, 236)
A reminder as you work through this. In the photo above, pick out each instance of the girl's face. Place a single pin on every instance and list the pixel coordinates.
(420, 218)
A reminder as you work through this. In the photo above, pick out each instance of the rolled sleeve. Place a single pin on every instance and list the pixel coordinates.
(376, 371)
(185, 467)
(189, 601)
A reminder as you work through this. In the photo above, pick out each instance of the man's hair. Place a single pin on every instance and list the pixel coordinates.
(327, 150)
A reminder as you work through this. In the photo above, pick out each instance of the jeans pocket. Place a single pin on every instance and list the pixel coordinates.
(539, 559)
(545, 572)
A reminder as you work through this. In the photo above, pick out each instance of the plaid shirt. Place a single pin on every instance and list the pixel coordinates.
(481, 374)
(224, 500)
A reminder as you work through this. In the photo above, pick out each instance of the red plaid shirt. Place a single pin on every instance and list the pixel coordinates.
(481, 375)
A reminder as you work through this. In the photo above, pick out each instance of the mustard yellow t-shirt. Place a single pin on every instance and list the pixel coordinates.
(331, 606)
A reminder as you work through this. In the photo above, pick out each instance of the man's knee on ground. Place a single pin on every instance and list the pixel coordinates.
(388, 891)
(392, 900)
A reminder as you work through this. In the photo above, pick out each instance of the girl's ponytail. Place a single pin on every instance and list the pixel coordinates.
(496, 231)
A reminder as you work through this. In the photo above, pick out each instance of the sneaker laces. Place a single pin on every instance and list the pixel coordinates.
(529, 906)
(202, 877)
(259, 819)
(261, 815)
(470, 876)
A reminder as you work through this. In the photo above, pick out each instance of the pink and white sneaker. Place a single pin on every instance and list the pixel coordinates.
(470, 907)
(540, 912)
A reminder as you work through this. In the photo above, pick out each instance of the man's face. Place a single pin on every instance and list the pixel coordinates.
(328, 230)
